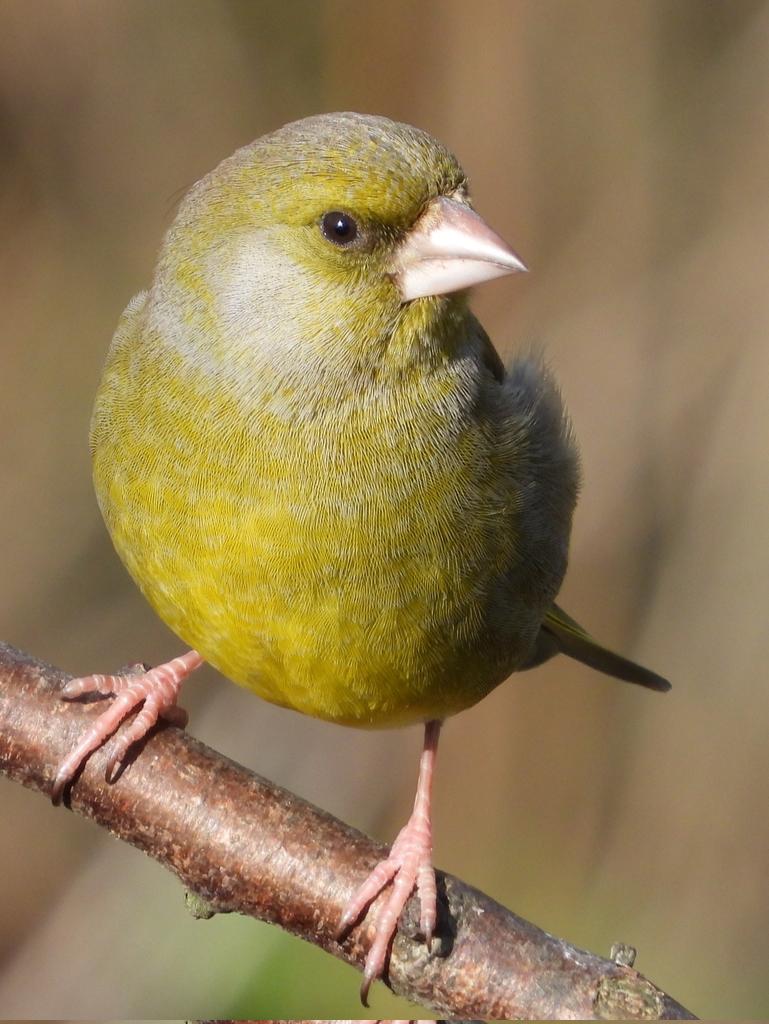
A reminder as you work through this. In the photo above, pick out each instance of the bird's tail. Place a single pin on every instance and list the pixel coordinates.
(559, 633)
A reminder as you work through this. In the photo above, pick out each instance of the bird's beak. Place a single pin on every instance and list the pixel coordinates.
(450, 247)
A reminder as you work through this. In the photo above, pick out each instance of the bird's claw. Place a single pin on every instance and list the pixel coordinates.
(154, 691)
(409, 866)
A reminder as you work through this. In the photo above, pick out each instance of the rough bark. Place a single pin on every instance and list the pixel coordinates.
(239, 843)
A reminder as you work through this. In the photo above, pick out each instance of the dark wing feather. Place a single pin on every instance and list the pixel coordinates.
(559, 633)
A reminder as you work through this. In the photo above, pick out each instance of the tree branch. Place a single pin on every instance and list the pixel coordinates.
(240, 843)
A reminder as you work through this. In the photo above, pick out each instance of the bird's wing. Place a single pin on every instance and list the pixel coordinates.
(559, 633)
(491, 358)
(126, 339)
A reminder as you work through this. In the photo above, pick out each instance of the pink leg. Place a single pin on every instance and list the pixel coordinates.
(156, 689)
(409, 865)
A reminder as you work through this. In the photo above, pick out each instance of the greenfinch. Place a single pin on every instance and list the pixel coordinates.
(318, 471)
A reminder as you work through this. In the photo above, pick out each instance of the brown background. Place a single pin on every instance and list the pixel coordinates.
(622, 148)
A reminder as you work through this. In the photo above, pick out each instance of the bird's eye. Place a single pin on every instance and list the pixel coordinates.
(339, 228)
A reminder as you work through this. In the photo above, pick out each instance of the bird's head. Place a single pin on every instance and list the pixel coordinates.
(345, 233)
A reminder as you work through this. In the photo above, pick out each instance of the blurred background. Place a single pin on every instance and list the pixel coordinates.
(622, 149)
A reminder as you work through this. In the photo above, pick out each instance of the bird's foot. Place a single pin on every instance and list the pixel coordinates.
(156, 689)
(408, 866)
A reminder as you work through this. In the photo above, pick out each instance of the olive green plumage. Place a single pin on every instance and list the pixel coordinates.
(335, 496)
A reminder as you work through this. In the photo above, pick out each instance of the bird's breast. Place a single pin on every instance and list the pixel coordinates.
(353, 557)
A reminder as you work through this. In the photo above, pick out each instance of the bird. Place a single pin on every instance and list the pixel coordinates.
(320, 473)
